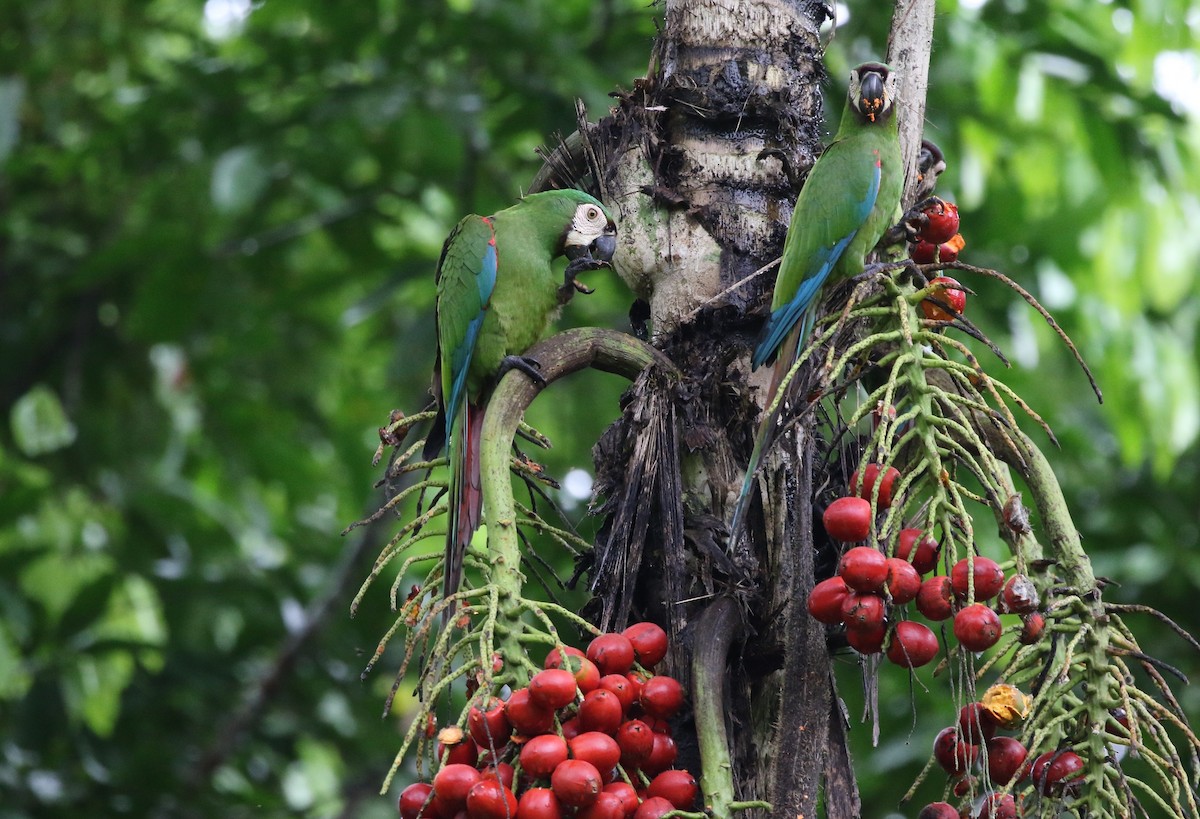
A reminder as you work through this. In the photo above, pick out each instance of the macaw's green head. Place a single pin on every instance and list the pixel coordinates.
(872, 91)
(591, 233)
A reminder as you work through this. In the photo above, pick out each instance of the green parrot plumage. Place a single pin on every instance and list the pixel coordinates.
(497, 293)
(849, 200)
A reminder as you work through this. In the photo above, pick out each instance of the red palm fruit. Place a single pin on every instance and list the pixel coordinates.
(654, 808)
(825, 600)
(999, 806)
(955, 756)
(867, 640)
(636, 741)
(539, 803)
(657, 724)
(552, 688)
(862, 611)
(989, 579)
(413, 799)
(938, 810)
(903, 581)
(489, 726)
(619, 685)
(587, 675)
(649, 642)
(1066, 768)
(571, 728)
(941, 221)
(677, 787)
(977, 627)
(923, 252)
(554, 660)
(948, 294)
(913, 645)
(607, 806)
(1005, 757)
(541, 754)
(869, 476)
(975, 725)
(934, 598)
(452, 783)
(636, 680)
(489, 799)
(1054, 770)
(612, 653)
(948, 252)
(526, 716)
(1032, 626)
(863, 568)
(627, 794)
(927, 550)
(662, 756)
(661, 696)
(848, 519)
(600, 711)
(599, 749)
(501, 771)
(576, 783)
(455, 746)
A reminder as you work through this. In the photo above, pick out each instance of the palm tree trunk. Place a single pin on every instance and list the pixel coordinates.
(698, 161)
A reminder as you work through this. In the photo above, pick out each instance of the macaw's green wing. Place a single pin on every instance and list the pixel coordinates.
(834, 204)
(466, 279)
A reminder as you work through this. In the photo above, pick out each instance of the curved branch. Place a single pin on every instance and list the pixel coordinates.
(558, 356)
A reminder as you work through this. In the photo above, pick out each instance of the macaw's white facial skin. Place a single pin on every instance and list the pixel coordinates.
(872, 90)
(591, 233)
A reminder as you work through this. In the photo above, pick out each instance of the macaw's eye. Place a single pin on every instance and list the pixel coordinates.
(593, 214)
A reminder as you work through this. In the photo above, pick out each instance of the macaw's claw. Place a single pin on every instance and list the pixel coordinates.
(582, 264)
(530, 366)
(572, 285)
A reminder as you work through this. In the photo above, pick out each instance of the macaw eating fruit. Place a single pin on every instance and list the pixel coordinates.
(497, 294)
(849, 200)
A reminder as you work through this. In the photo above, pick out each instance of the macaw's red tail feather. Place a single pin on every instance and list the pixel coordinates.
(470, 508)
(466, 497)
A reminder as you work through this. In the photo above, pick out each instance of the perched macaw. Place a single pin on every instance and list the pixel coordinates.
(497, 295)
(849, 200)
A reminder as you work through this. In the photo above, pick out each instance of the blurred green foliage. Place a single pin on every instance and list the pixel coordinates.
(218, 225)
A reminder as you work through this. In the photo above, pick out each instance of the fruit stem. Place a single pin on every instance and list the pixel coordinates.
(715, 629)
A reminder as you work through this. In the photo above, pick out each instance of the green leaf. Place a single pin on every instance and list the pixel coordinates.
(92, 688)
(14, 675)
(39, 423)
(57, 580)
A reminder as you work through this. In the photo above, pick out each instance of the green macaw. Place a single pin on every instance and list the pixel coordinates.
(849, 200)
(497, 295)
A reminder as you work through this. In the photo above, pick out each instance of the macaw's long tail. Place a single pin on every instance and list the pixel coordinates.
(466, 497)
(766, 428)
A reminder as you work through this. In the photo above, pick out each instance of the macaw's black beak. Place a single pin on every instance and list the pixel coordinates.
(604, 247)
(871, 91)
(601, 249)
